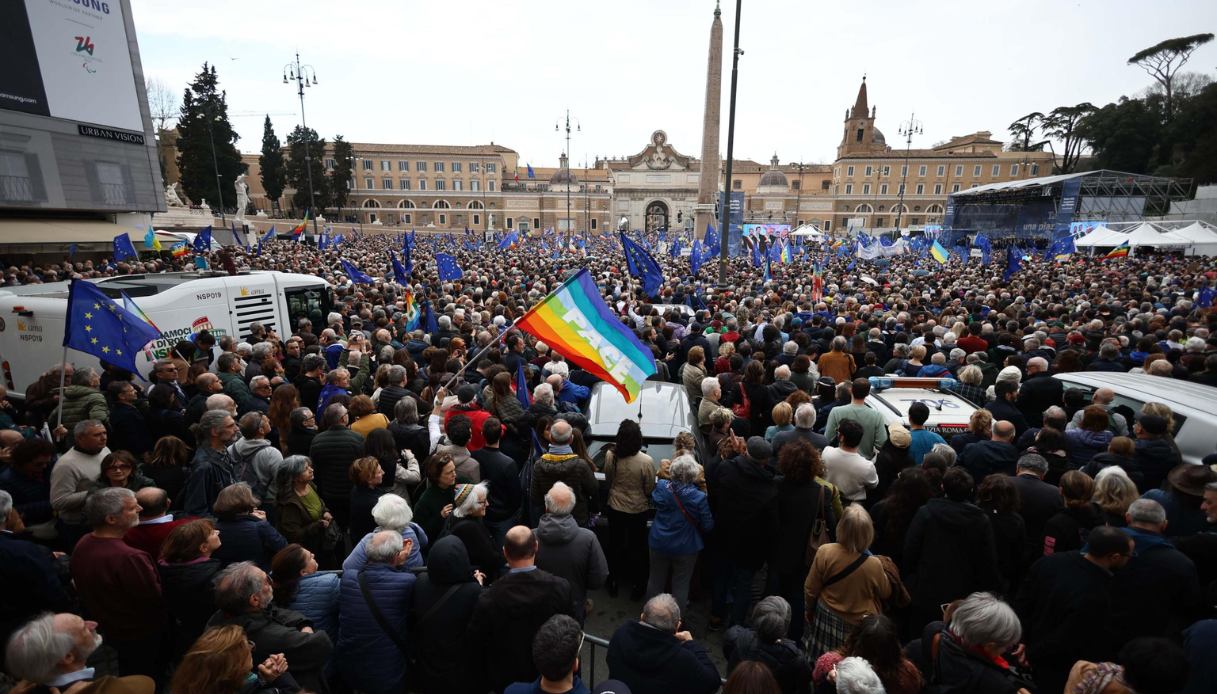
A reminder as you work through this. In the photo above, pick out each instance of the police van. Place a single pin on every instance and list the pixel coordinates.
(179, 304)
(892, 397)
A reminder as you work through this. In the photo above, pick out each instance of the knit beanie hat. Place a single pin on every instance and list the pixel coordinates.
(461, 493)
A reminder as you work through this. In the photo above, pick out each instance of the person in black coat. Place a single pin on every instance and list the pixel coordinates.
(465, 523)
(1154, 454)
(748, 518)
(799, 500)
(997, 455)
(766, 643)
(656, 656)
(28, 571)
(164, 417)
(408, 434)
(1039, 391)
(502, 476)
(1003, 408)
(1065, 606)
(438, 628)
(1038, 501)
(187, 571)
(1067, 529)
(243, 528)
(128, 430)
(366, 476)
(998, 498)
(1158, 593)
(949, 550)
(508, 614)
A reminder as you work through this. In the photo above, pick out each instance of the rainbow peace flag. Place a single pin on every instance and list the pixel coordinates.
(180, 249)
(575, 321)
(134, 308)
(1120, 251)
(301, 226)
(937, 252)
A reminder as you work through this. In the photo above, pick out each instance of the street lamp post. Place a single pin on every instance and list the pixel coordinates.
(798, 198)
(567, 155)
(908, 129)
(215, 163)
(725, 212)
(304, 76)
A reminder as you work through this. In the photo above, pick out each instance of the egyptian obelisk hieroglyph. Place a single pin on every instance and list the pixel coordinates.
(708, 183)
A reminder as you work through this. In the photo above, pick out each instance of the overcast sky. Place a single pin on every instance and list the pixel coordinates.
(461, 72)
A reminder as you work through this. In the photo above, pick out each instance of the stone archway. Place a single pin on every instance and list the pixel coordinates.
(656, 216)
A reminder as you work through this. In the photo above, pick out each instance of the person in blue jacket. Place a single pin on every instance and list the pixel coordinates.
(374, 604)
(682, 517)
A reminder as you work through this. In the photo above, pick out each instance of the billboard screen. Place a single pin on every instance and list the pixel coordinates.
(75, 132)
(69, 59)
(770, 230)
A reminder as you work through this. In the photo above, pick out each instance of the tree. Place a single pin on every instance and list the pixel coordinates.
(1195, 135)
(1124, 136)
(1164, 60)
(206, 142)
(1023, 131)
(271, 164)
(1062, 124)
(306, 152)
(162, 103)
(340, 177)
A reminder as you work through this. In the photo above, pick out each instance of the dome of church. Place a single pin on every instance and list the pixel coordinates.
(773, 177)
(563, 176)
(879, 139)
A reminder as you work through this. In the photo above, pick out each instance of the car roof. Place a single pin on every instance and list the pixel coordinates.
(945, 408)
(664, 406)
(1169, 391)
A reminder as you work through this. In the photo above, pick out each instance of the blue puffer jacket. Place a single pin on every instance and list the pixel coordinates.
(671, 532)
(367, 658)
(359, 555)
(317, 599)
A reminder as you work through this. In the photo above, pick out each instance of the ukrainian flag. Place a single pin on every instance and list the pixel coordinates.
(939, 253)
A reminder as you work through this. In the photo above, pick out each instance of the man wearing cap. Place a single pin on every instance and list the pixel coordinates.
(1185, 486)
(1154, 454)
(747, 515)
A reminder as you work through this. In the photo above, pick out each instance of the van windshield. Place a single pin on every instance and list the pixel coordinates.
(312, 303)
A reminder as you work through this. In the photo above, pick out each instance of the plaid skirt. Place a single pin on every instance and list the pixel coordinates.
(828, 632)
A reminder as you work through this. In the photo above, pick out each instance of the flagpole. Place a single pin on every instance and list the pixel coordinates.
(63, 377)
(475, 357)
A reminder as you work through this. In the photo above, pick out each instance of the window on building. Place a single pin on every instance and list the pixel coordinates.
(439, 184)
(887, 171)
(794, 185)
(438, 166)
(367, 164)
(976, 170)
(477, 219)
(474, 167)
(955, 188)
(737, 184)
(420, 166)
(368, 183)
(824, 185)
(849, 189)
(858, 135)
(422, 184)
(827, 225)
(1035, 169)
(474, 185)
(920, 189)
(942, 170)
(403, 184)
(921, 171)
(904, 170)
(996, 170)
(406, 219)
(959, 169)
(883, 189)
(849, 171)
(491, 167)
(386, 184)
(900, 189)
(490, 185)
(329, 164)
(593, 225)
(1014, 169)
(536, 222)
(869, 171)
(879, 221)
(866, 189)
(456, 167)
(457, 184)
(403, 165)
(937, 189)
(386, 165)
(443, 219)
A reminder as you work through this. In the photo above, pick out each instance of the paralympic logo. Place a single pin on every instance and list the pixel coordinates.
(84, 44)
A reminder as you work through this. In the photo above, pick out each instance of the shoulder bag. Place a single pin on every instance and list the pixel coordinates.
(691, 520)
(819, 536)
(380, 618)
(742, 410)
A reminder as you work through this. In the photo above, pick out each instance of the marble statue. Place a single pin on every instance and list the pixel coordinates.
(242, 196)
(171, 197)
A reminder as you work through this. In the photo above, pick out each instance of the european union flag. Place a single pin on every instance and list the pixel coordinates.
(406, 254)
(358, 276)
(674, 252)
(986, 248)
(695, 257)
(1013, 263)
(399, 272)
(531, 173)
(509, 240)
(641, 265)
(447, 267)
(1204, 299)
(712, 240)
(123, 248)
(99, 326)
(202, 241)
(323, 241)
(71, 250)
(432, 323)
(756, 253)
(522, 387)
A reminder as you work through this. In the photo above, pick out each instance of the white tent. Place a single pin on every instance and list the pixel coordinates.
(1101, 236)
(1146, 235)
(1203, 238)
(807, 230)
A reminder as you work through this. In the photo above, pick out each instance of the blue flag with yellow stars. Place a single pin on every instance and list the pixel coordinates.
(123, 248)
(357, 276)
(447, 267)
(97, 325)
(399, 272)
(641, 265)
(202, 240)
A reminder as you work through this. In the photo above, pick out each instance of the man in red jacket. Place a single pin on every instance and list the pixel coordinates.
(118, 584)
(155, 522)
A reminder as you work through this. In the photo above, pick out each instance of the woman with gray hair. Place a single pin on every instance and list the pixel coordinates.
(968, 386)
(766, 642)
(971, 647)
(391, 512)
(676, 537)
(469, 504)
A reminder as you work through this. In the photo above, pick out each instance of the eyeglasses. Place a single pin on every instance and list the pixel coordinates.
(250, 644)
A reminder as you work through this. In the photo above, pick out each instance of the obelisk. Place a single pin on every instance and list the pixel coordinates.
(707, 185)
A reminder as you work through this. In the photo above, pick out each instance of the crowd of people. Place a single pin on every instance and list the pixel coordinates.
(367, 502)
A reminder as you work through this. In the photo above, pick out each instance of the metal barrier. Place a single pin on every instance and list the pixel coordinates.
(592, 641)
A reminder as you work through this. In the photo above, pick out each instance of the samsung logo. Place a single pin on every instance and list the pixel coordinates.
(97, 5)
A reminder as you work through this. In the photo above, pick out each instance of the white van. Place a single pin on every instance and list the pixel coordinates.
(1194, 406)
(179, 304)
